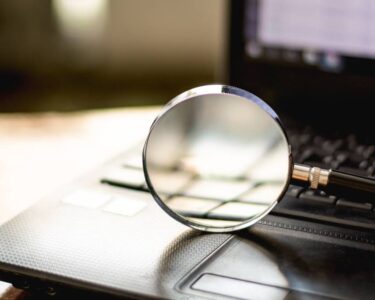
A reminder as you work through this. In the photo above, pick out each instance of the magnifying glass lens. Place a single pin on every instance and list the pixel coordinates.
(217, 159)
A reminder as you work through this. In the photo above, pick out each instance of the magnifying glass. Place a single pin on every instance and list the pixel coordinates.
(217, 159)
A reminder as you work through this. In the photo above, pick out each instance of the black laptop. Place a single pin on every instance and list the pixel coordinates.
(104, 236)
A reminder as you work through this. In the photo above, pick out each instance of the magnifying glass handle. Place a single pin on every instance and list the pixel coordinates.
(332, 181)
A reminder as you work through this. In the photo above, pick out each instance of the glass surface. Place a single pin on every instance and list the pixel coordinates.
(217, 160)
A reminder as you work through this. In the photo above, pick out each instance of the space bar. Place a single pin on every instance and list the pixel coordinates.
(321, 212)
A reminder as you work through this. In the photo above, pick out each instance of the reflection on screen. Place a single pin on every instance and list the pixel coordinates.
(315, 32)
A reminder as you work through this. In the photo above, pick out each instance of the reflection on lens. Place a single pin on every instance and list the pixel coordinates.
(217, 160)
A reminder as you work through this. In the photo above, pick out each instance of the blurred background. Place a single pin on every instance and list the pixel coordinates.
(65, 55)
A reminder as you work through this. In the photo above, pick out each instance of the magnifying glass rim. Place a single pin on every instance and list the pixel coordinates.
(216, 89)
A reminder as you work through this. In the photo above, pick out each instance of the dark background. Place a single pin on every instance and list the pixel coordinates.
(69, 54)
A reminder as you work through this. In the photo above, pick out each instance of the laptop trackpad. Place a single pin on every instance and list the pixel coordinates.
(237, 288)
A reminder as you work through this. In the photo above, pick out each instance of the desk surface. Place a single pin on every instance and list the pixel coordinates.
(41, 152)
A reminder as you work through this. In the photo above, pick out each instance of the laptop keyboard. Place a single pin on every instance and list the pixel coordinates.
(344, 153)
(189, 195)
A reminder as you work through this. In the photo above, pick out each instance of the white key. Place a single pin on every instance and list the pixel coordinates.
(127, 176)
(217, 189)
(124, 206)
(169, 182)
(240, 210)
(87, 198)
(265, 194)
(191, 205)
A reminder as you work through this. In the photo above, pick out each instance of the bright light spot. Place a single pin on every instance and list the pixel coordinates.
(81, 20)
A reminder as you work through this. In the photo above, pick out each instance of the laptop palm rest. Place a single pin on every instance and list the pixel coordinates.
(267, 263)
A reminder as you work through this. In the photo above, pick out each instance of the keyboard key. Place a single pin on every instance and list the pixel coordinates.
(89, 198)
(127, 177)
(332, 145)
(298, 140)
(192, 206)
(350, 204)
(364, 165)
(170, 182)
(313, 154)
(316, 195)
(216, 189)
(351, 142)
(262, 194)
(371, 170)
(210, 162)
(318, 141)
(237, 210)
(124, 206)
(320, 211)
(297, 206)
(360, 150)
(305, 138)
(341, 156)
(349, 159)
(368, 151)
(294, 190)
(329, 159)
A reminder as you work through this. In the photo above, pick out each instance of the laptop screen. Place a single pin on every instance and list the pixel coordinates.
(306, 56)
(334, 36)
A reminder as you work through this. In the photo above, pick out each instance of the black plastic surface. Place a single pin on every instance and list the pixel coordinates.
(311, 262)
(71, 248)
